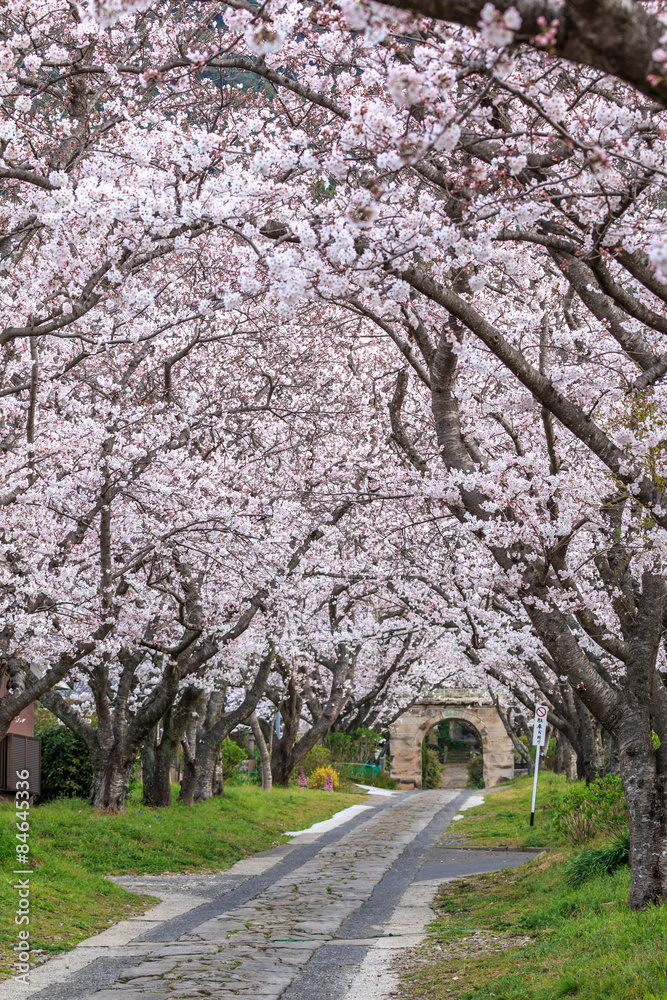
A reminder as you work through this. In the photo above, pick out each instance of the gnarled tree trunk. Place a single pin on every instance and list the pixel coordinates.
(264, 755)
(288, 751)
(190, 763)
(210, 733)
(112, 771)
(201, 748)
(157, 781)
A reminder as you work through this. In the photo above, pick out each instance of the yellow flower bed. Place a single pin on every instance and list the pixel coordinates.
(319, 776)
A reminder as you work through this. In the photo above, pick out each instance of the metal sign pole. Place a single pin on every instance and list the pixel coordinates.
(537, 767)
(539, 739)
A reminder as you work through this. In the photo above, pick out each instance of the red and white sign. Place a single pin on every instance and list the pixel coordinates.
(540, 726)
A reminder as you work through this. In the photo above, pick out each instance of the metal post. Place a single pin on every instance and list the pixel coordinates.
(537, 767)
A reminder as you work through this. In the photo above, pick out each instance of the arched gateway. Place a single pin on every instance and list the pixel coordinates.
(475, 707)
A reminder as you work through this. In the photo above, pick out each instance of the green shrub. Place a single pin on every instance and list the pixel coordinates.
(366, 775)
(476, 771)
(341, 747)
(232, 757)
(600, 861)
(431, 767)
(381, 780)
(588, 810)
(362, 745)
(66, 768)
(318, 757)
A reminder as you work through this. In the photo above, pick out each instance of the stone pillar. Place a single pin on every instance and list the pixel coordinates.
(497, 747)
(405, 747)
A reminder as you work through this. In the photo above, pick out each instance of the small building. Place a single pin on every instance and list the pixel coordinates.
(20, 750)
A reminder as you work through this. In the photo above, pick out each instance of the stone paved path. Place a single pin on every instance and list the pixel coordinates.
(256, 949)
(454, 776)
(322, 918)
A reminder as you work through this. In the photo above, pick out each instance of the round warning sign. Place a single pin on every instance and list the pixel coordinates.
(541, 711)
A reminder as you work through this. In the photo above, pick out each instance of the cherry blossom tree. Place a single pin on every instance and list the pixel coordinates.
(484, 193)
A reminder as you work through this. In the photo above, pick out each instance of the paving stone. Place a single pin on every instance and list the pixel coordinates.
(152, 967)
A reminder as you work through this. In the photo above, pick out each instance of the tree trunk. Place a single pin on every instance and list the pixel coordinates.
(289, 750)
(111, 779)
(148, 748)
(218, 786)
(566, 758)
(161, 788)
(590, 759)
(207, 756)
(282, 764)
(189, 782)
(265, 759)
(646, 795)
(284, 756)
(612, 761)
(201, 747)
(191, 768)
(157, 791)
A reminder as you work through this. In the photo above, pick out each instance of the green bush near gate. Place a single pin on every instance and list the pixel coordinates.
(476, 771)
(431, 767)
(587, 811)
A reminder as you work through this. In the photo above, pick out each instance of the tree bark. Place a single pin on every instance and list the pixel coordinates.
(207, 756)
(190, 763)
(218, 786)
(590, 759)
(264, 757)
(566, 758)
(157, 783)
(112, 771)
(148, 748)
(645, 791)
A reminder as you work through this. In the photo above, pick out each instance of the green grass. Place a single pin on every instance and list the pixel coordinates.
(73, 847)
(525, 934)
(504, 818)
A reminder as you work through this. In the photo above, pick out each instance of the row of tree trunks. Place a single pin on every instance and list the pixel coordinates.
(566, 758)
(157, 755)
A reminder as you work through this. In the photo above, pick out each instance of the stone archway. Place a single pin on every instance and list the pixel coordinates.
(475, 707)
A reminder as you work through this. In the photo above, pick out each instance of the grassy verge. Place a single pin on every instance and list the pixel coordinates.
(503, 819)
(523, 934)
(72, 848)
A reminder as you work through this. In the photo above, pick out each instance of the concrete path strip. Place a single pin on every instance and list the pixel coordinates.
(338, 819)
